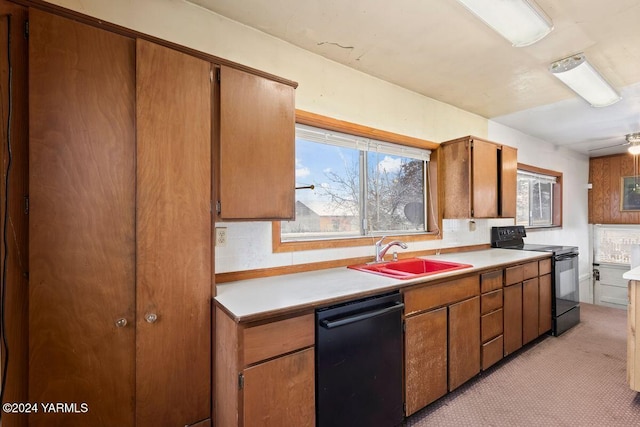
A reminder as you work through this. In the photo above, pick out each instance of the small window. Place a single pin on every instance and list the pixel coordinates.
(539, 197)
(361, 186)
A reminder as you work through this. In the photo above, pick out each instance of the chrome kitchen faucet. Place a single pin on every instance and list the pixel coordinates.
(382, 250)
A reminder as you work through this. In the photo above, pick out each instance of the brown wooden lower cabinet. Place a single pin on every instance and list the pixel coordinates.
(544, 300)
(280, 392)
(527, 303)
(265, 372)
(442, 339)
(425, 358)
(464, 341)
(491, 325)
(633, 340)
(512, 318)
(530, 310)
(492, 320)
(492, 351)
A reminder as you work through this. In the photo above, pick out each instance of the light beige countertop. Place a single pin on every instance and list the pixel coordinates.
(633, 274)
(255, 299)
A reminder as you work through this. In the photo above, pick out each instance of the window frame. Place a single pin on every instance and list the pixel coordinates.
(556, 214)
(434, 217)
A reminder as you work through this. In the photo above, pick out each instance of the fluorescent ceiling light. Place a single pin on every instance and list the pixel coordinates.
(521, 22)
(584, 80)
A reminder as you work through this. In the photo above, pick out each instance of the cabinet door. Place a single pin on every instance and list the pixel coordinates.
(464, 341)
(257, 147)
(485, 179)
(81, 221)
(281, 392)
(455, 180)
(425, 359)
(512, 318)
(508, 181)
(173, 275)
(544, 314)
(530, 310)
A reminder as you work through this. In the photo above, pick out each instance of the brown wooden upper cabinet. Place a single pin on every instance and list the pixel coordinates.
(478, 178)
(257, 147)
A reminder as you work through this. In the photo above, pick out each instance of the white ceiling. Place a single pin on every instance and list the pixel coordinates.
(437, 48)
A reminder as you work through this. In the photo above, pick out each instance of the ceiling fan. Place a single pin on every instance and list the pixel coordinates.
(631, 139)
(618, 139)
(634, 140)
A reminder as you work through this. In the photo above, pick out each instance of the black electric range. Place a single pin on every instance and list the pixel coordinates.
(565, 306)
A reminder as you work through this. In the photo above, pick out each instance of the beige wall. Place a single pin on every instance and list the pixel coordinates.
(325, 87)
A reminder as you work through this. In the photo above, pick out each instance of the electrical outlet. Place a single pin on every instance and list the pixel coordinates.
(221, 236)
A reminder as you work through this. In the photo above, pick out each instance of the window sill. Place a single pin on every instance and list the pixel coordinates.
(279, 246)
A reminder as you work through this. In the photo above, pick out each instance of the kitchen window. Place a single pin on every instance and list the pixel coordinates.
(361, 187)
(539, 197)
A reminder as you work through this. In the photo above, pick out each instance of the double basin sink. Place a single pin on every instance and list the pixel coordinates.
(409, 268)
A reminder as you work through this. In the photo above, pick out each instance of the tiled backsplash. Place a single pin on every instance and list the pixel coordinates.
(248, 244)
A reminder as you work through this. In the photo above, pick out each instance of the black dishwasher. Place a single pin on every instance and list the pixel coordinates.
(359, 350)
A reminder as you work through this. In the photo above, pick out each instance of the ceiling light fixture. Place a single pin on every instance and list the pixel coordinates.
(634, 140)
(584, 80)
(521, 22)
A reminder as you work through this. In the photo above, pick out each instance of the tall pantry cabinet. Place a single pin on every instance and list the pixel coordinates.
(119, 228)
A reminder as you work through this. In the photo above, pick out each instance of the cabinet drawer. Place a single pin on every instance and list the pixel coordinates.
(428, 297)
(275, 338)
(544, 266)
(490, 301)
(491, 325)
(491, 281)
(492, 352)
(513, 275)
(530, 270)
(517, 274)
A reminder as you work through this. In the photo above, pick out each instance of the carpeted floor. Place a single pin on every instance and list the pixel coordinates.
(577, 379)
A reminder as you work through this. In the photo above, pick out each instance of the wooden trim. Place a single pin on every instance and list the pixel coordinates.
(280, 247)
(16, 297)
(541, 171)
(557, 194)
(300, 268)
(96, 22)
(557, 202)
(317, 120)
(625, 154)
(434, 213)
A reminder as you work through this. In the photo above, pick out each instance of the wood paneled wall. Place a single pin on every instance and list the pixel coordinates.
(605, 175)
(15, 316)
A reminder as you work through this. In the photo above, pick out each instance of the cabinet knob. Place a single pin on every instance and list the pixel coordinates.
(121, 323)
(151, 317)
